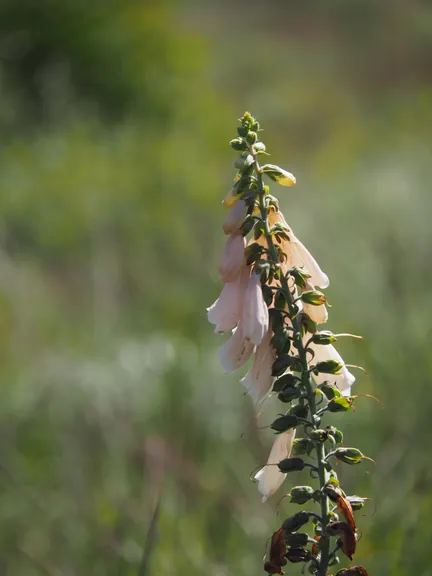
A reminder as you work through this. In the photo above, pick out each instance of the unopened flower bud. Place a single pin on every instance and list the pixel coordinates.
(238, 144)
(313, 297)
(349, 455)
(300, 276)
(288, 380)
(282, 363)
(296, 555)
(301, 446)
(243, 161)
(340, 404)
(291, 465)
(296, 540)
(295, 522)
(301, 494)
(323, 337)
(251, 137)
(259, 147)
(284, 423)
(289, 393)
(279, 175)
(328, 367)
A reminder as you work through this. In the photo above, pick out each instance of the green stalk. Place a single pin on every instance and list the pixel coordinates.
(305, 377)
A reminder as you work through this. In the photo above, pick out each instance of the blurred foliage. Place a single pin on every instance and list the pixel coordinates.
(115, 118)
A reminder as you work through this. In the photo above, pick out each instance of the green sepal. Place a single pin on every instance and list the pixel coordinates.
(280, 300)
(267, 294)
(282, 363)
(251, 137)
(348, 455)
(239, 144)
(301, 446)
(319, 435)
(301, 494)
(295, 522)
(328, 367)
(340, 404)
(324, 337)
(307, 324)
(253, 252)
(286, 380)
(299, 411)
(276, 319)
(313, 297)
(289, 393)
(284, 423)
(281, 340)
(300, 276)
(244, 161)
(291, 465)
(259, 148)
(329, 390)
(299, 539)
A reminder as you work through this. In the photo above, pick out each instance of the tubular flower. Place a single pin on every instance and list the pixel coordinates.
(233, 258)
(344, 380)
(235, 218)
(235, 351)
(259, 380)
(255, 316)
(318, 314)
(270, 478)
(226, 312)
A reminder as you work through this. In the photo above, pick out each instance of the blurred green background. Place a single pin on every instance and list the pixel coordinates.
(121, 447)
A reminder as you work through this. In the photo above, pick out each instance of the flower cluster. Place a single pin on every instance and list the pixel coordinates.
(272, 306)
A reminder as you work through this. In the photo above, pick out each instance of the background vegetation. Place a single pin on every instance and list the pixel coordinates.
(120, 437)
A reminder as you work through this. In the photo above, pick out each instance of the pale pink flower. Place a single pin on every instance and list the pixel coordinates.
(226, 311)
(235, 351)
(233, 258)
(344, 380)
(235, 218)
(255, 316)
(259, 380)
(270, 478)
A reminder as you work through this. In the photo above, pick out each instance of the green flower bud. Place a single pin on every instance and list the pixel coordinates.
(242, 131)
(281, 340)
(340, 404)
(289, 393)
(300, 446)
(296, 540)
(299, 411)
(279, 175)
(349, 455)
(267, 294)
(280, 300)
(253, 252)
(238, 144)
(295, 522)
(244, 161)
(259, 147)
(247, 225)
(296, 555)
(357, 502)
(300, 276)
(276, 319)
(284, 423)
(324, 337)
(307, 324)
(291, 465)
(282, 363)
(328, 367)
(329, 390)
(319, 435)
(258, 230)
(251, 137)
(288, 380)
(337, 434)
(301, 494)
(314, 297)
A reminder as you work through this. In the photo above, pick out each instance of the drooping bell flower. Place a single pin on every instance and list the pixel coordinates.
(255, 316)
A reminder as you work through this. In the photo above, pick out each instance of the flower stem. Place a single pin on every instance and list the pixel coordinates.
(305, 374)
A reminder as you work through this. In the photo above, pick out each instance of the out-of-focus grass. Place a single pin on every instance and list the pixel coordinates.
(115, 158)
